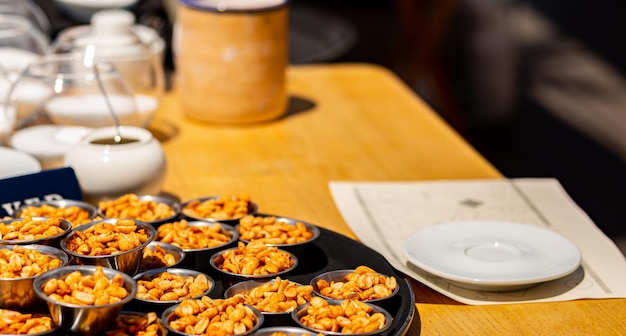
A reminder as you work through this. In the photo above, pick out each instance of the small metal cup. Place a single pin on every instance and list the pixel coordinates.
(127, 261)
(18, 293)
(83, 319)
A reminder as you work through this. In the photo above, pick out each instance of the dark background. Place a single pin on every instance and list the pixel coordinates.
(530, 142)
(428, 43)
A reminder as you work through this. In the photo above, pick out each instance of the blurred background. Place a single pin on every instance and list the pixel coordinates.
(538, 87)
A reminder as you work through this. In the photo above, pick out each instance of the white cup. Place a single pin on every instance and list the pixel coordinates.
(106, 170)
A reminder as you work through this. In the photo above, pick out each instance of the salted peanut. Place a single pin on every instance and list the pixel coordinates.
(271, 231)
(222, 207)
(156, 257)
(108, 238)
(73, 214)
(89, 290)
(23, 262)
(277, 296)
(29, 229)
(255, 258)
(363, 284)
(17, 323)
(349, 317)
(130, 206)
(191, 237)
(206, 316)
(87, 221)
(135, 325)
(165, 286)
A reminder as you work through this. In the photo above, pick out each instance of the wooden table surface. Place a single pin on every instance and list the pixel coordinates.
(355, 122)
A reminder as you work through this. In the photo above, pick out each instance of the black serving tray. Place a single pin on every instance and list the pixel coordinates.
(330, 251)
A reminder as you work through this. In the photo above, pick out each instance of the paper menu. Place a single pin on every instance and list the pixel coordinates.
(383, 214)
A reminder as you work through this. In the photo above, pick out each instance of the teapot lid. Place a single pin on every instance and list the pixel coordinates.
(111, 31)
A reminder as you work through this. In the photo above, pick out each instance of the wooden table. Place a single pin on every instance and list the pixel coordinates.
(355, 122)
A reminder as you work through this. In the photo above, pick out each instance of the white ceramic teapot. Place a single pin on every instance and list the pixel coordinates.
(106, 169)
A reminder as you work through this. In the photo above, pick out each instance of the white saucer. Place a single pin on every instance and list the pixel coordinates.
(492, 255)
(15, 163)
(48, 143)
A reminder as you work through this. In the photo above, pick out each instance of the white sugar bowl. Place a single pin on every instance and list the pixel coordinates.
(106, 169)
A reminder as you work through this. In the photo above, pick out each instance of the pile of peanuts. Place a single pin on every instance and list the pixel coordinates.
(29, 229)
(255, 258)
(219, 208)
(156, 257)
(135, 325)
(91, 290)
(191, 237)
(21, 262)
(277, 296)
(363, 284)
(130, 206)
(349, 317)
(73, 214)
(107, 238)
(165, 286)
(206, 316)
(271, 231)
(15, 323)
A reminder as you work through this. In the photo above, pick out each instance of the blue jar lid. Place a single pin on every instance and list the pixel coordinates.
(234, 6)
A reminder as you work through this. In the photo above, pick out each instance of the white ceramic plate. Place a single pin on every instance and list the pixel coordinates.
(492, 255)
(14, 163)
(48, 143)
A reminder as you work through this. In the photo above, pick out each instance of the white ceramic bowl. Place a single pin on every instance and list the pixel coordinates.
(107, 171)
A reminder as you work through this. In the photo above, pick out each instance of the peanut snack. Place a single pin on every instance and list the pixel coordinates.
(87, 221)
(165, 286)
(277, 296)
(135, 325)
(271, 231)
(349, 317)
(222, 207)
(25, 262)
(130, 206)
(107, 238)
(29, 229)
(15, 323)
(206, 316)
(363, 284)
(255, 258)
(191, 237)
(90, 290)
(156, 257)
(73, 214)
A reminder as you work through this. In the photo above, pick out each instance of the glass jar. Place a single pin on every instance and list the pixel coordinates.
(134, 50)
(231, 59)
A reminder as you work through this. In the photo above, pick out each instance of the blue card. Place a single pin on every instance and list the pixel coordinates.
(47, 185)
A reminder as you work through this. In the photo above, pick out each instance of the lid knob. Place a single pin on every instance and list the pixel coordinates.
(112, 21)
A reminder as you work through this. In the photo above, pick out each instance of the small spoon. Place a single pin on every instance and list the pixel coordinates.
(118, 136)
